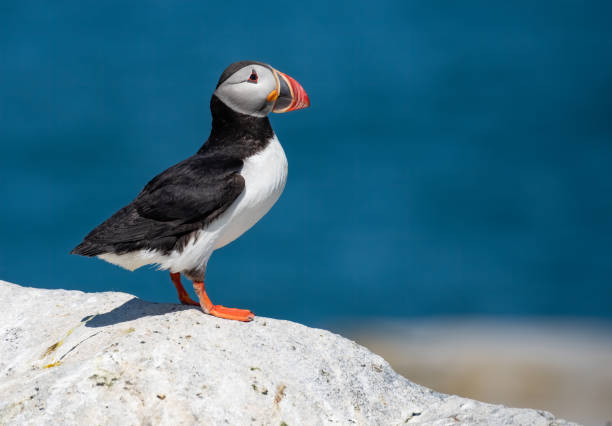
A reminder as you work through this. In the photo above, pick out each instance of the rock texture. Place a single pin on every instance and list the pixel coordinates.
(68, 357)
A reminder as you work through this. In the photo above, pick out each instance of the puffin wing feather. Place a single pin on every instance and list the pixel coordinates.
(184, 198)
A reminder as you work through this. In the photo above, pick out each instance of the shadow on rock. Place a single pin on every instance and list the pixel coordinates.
(132, 309)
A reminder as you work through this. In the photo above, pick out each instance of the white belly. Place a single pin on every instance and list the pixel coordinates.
(265, 175)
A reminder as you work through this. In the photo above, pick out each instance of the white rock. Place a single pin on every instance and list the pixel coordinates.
(68, 357)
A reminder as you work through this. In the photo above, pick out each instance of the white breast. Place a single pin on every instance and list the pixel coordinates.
(265, 175)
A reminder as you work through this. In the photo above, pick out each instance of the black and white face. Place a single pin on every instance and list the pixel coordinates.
(257, 89)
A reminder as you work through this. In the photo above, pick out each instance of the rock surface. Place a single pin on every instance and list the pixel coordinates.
(68, 357)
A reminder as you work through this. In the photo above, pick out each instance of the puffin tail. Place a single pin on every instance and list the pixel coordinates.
(87, 248)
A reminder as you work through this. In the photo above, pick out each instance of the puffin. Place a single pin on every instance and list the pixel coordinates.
(210, 199)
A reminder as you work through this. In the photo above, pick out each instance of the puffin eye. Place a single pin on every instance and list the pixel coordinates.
(253, 78)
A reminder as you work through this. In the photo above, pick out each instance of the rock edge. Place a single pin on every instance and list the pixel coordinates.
(69, 357)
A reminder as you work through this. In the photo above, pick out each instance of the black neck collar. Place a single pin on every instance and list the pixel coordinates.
(234, 133)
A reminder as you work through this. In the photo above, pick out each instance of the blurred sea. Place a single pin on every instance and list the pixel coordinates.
(457, 157)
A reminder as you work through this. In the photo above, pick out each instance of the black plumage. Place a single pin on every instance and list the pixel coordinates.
(187, 196)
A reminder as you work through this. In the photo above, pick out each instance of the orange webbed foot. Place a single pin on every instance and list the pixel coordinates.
(231, 313)
(218, 310)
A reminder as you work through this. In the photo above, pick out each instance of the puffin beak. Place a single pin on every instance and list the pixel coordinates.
(289, 94)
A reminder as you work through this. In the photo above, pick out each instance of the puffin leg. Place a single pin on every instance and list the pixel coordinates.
(182, 293)
(218, 310)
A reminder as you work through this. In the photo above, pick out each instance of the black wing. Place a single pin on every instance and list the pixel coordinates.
(177, 202)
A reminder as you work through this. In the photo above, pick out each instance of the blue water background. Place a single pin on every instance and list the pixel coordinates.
(457, 157)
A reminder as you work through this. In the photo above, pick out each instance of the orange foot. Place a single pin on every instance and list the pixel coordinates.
(218, 310)
(182, 293)
(231, 313)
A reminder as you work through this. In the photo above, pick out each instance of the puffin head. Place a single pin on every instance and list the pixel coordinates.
(257, 89)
